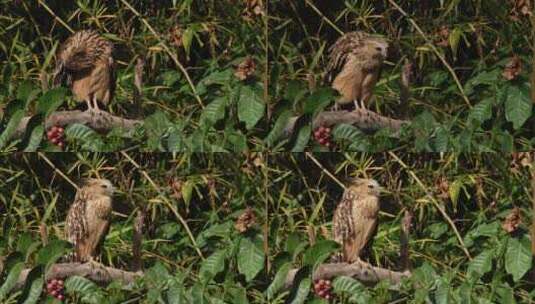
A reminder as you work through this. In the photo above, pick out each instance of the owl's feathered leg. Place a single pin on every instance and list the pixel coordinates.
(88, 102)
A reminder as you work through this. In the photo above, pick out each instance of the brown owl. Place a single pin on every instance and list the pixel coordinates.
(355, 217)
(88, 218)
(85, 64)
(355, 62)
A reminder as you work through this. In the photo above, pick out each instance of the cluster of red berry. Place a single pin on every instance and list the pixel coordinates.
(55, 289)
(55, 135)
(322, 288)
(323, 136)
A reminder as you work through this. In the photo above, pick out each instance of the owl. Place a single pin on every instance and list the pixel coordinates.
(355, 217)
(354, 67)
(88, 218)
(85, 64)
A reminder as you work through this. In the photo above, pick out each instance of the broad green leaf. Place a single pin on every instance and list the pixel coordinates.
(278, 128)
(35, 291)
(251, 107)
(11, 280)
(518, 105)
(319, 252)
(85, 288)
(51, 100)
(52, 252)
(352, 135)
(85, 136)
(214, 111)
(443, 292)
(213, 265)
(250, 259)
(10, 128)
(517, 258)
(279, 280)
(481, 264)
(35, 139)
(302, 291)
(351, 287)
(318, 100)
(482, 111)
(302, 139)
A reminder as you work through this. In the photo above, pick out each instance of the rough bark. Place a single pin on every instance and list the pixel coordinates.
(98, 120)
(359, 270)
(96, 273)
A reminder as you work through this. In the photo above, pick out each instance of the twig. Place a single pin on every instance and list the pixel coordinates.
(99, 274)
(97, 120)
(437, 53)
(309, 155)
(58, 171)
(404, 240)
(434, 201)
(137, 240)
(359, 270)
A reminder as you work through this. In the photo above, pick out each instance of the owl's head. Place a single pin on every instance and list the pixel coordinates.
(378, 46)
(367, 185)
(99, 186)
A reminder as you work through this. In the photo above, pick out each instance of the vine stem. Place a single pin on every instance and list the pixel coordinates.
(167, 202)
(435, 203)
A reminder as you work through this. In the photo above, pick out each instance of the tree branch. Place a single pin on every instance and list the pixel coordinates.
(97, 120)
(359, 270)
(406, 223)
(94, 272)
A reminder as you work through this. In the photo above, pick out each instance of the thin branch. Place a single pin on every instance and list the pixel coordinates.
(434, 201)
(437, 53)
(94, 272)
(137, 240)
(359, 270)
(405, 231)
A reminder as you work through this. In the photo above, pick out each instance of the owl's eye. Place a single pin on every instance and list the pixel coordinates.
(104, 186)
(370, 186)
(378, 49)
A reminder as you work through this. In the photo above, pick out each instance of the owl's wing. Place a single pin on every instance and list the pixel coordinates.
(76, 228)
(340, 52)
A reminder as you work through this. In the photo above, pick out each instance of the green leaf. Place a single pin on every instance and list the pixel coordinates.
(52, 252)
(481, 264)
(250, 259)
(278, 281)
(318, 100)
(518, 258)
(319, 252)
(278, 128)
(89, 291)
(213, 265)
(51, 100)
(482, 111)
(302, 291)
(251, 107)
(349, 286)
(35, 291)
(352, 135)
(11, 127)
(302, 139)
(85, 136)
(214, 111)
(11, 280)
(35, 139)
(518, 106)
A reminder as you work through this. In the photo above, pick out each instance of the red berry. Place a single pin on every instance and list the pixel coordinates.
(328, 283)
(328, 130)
(54, 140)
(61, 144)
(60, 282)
(61, 297)
(327, 297)
(54, 293)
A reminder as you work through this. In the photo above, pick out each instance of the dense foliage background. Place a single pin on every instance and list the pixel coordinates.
(463, 98)
(470, 90)
(204, 41)
(465, 247)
